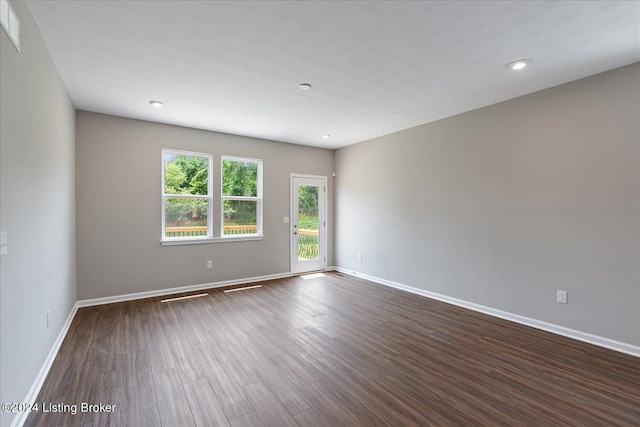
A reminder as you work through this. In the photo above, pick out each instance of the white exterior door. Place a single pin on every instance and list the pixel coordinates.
(308, 223)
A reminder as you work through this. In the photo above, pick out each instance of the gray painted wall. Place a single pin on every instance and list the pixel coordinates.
(118, 169)
(37, 208)
(504, 205)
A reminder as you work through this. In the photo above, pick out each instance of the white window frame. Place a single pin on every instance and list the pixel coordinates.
(257, 199)
(10, 22)
(208, 197)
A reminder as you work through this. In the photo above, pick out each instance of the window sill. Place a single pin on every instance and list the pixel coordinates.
(178, 242)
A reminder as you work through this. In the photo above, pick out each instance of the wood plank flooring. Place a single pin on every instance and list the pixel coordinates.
(328, 351)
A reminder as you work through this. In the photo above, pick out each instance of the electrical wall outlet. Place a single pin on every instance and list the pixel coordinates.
(48, 317)
(360, 257)
(209, 264)
(562, 297)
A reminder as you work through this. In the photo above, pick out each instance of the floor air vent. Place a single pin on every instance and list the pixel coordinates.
(243, 289)
(181, 298)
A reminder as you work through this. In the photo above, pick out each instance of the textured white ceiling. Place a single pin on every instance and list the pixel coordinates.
(376, 67)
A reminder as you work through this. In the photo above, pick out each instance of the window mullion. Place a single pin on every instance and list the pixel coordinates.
(186, 196)
(240, 198)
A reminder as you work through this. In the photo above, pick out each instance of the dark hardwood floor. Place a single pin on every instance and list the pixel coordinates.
(329, 351)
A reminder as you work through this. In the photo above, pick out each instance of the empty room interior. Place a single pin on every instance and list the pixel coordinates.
(319, 213)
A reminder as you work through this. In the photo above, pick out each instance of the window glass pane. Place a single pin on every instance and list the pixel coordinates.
(185, 217)
(239, 178)
(185, 174)
(240, 217)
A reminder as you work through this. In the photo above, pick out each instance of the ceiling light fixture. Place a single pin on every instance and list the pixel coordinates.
(304, 86)
(519, 64)
(326, 136)
(156, 104)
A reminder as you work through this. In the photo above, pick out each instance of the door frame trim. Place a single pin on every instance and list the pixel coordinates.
(323, 242)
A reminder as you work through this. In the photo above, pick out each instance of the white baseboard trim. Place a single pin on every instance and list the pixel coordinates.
(21, 417)
(178, 290)
(534, 323)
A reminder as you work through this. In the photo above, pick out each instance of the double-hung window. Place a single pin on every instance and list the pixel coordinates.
(241, 196)
(187, 199)
(189, 205)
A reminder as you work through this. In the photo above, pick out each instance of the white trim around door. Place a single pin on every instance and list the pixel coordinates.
(308, 223)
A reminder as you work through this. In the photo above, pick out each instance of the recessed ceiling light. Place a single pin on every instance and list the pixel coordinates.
(326, 136)
(304, 86)
(519, 64)
(156, 104)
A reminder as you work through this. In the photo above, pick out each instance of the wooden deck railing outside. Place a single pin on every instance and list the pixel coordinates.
(308, 247)
(200, 231)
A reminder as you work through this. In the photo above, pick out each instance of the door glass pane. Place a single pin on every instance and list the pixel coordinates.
(308, 226)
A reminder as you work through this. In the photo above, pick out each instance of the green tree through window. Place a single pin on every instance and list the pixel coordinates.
(186, 175)
(241, 196)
